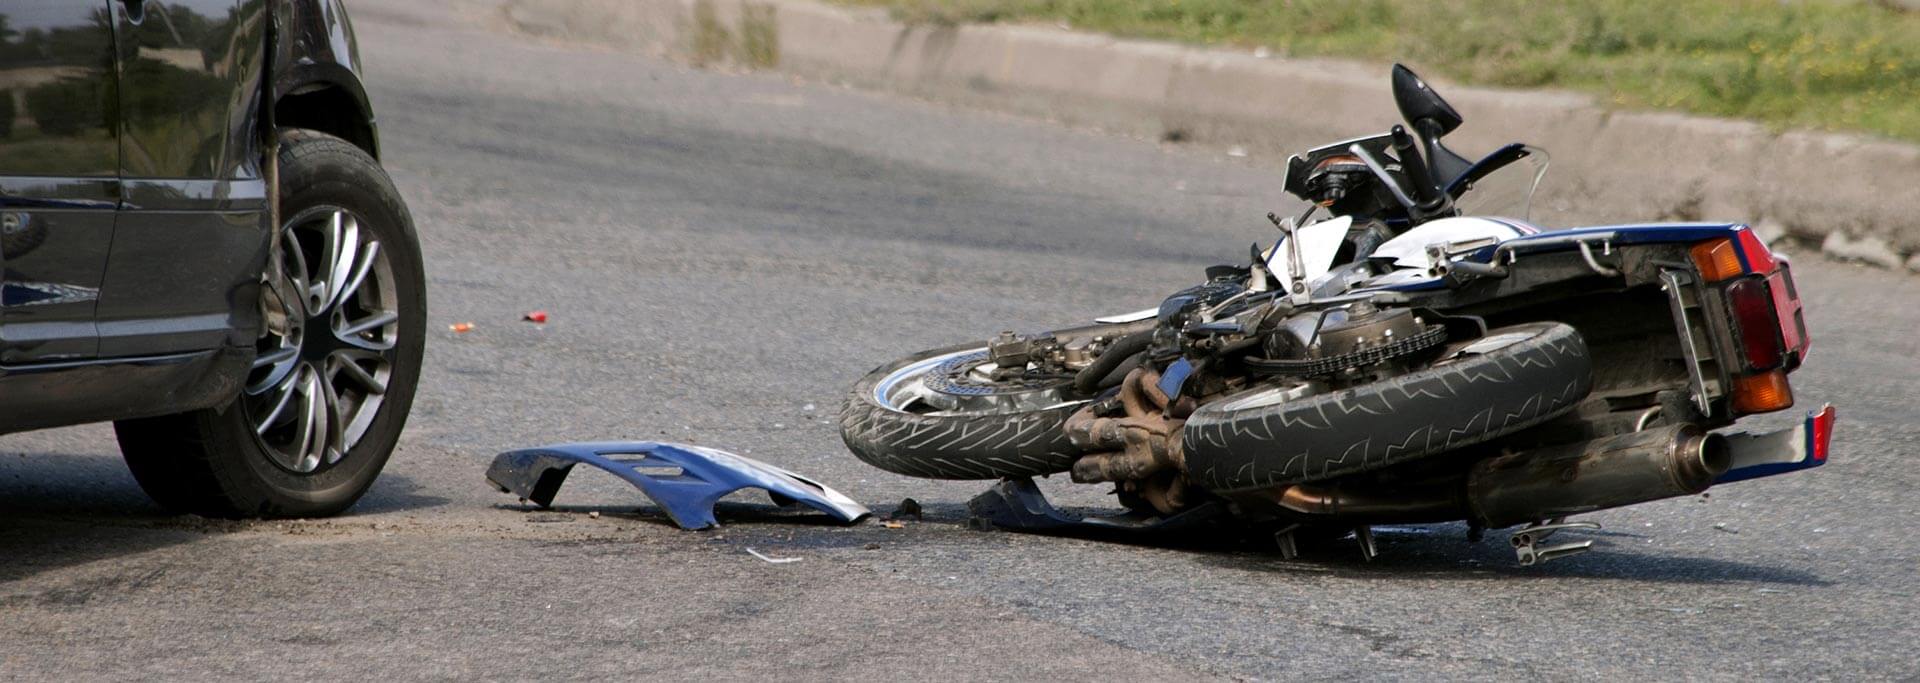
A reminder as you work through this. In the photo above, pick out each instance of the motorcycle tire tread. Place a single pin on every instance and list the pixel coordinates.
(953, 446)
(1367, 427)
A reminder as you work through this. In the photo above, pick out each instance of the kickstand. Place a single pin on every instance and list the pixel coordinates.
(1284, 540)
(1364, 534)
(1526, 541)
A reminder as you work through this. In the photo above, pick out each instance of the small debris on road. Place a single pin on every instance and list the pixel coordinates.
(890, 524)
(1236, 151)
(593, 515)
(461, 328)
(908, 507)
(870, 546)
(1722, 526)
(772, 560)
(535, 317)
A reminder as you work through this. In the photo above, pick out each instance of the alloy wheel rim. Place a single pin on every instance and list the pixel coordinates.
(329, 343)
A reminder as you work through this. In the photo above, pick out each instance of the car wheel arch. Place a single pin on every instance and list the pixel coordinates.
(330, 108)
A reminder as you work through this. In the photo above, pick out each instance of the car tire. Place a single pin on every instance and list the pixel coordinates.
(228, 461)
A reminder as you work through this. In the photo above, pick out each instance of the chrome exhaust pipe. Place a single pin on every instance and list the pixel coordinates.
(1611, 472)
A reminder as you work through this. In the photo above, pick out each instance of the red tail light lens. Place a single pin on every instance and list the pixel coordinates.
(1751, 302)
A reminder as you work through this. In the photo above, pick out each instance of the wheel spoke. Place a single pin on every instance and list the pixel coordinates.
(343, 256)
(299, 282)
(348, 363)
(368, 259)
(280, 363)
(350, 332)
(283, 397)
(276, 357)
(285, 292)
(313, 422)
(333, 438)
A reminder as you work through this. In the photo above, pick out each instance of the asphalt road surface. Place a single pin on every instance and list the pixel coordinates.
(722, 255)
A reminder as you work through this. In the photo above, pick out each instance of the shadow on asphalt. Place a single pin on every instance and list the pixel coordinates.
(1448, 556)
(1437, 551)
(98, 487)
(63, 510)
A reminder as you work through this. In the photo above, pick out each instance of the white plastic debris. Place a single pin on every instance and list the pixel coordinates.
(772, 560)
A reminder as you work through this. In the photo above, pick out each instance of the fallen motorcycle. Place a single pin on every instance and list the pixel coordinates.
(1420, 354)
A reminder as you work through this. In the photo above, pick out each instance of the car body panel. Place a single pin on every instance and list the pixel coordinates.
(155, 225)
(317, 52)
(59, 180)
(191, 237)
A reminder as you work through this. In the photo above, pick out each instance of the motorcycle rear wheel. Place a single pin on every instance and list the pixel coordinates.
(1511, 379)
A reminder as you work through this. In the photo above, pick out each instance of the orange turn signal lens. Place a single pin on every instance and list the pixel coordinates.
(1717, 260)
(1762, 393)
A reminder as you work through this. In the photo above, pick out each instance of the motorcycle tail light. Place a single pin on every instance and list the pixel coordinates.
(1786, 301)
(1762, 393)
(1759, 258)
(1717, 260)
(1751, 302)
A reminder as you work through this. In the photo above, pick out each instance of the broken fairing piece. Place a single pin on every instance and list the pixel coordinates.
(684, 480)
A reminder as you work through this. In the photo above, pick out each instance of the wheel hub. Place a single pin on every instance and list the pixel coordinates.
(328, 342)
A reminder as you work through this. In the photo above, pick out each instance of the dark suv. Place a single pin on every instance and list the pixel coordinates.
(197, 242)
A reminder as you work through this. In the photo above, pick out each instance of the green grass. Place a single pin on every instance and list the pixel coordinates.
(1788, 63)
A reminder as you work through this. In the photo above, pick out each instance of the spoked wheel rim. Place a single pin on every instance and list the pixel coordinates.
(959, 383)
(329, 342)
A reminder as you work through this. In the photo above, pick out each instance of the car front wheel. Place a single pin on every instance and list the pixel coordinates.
(337, 361)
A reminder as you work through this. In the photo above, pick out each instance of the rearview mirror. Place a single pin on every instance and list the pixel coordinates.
(1421, 106)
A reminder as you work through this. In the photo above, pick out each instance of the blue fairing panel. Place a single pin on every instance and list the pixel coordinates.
(684, 480)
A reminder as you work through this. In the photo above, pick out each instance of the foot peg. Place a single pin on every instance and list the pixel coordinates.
(1526, 541)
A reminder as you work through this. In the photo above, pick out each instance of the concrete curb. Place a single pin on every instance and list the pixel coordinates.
(1653, 165)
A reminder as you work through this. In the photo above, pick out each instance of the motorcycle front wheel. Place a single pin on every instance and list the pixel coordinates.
(941, 415)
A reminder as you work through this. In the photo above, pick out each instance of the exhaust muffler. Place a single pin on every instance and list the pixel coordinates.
(1665, 462)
